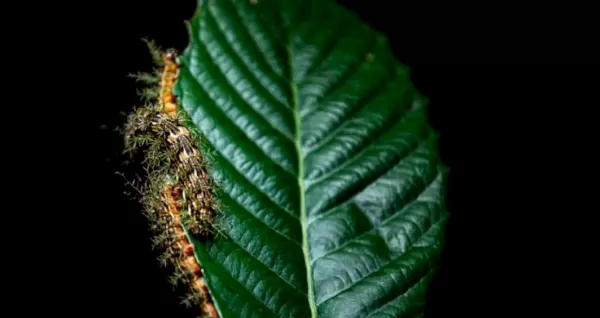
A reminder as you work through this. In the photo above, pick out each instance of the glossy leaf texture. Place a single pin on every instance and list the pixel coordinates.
(329, 177)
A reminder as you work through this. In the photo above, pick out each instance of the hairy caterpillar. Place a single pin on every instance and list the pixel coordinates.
(179, 191)
(184, 162)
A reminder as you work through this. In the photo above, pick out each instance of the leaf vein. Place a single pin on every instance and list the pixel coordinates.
(236, 169)
(279, 165)
(250, 35)
(392, 260)
(278, 275)
(228, 273)
(382, 223)
(380, 131)
(242, 66)
(408, 290)
(362, 103)
(233, 89)
(263, 222)
(351, 69)
(324, 53)
(358, 191)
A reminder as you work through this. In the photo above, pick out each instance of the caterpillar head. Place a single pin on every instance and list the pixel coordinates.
(170, 54)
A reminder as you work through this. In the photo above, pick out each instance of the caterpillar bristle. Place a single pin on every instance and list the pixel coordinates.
(175, 281)
(190, 300)
(147, 94)
(155, 51)
(146, 78)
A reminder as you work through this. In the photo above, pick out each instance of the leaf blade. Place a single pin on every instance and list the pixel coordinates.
(327, 166)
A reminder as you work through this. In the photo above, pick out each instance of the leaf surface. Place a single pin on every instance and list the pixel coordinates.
(330, 183)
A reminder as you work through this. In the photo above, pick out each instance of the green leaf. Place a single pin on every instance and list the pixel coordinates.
(329, 176)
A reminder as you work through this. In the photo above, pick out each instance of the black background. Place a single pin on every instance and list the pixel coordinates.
(497, 78)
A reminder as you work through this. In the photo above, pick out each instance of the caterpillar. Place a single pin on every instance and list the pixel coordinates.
(172, 146)
(185, 162)
(179, 190)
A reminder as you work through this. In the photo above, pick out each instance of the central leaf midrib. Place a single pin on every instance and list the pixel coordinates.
(301, 187)
(303, 216)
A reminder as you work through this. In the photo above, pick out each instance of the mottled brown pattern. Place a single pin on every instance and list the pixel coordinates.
(187, 165)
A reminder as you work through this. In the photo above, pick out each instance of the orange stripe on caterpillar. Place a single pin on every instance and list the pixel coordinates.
(207, 307)
(187, 260)
(167, 99)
